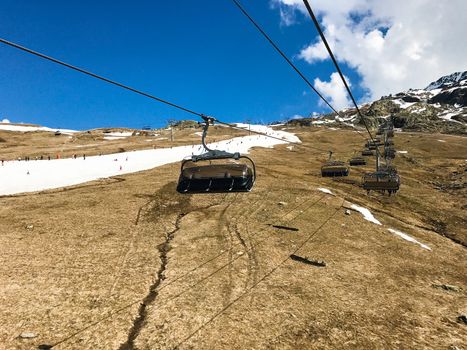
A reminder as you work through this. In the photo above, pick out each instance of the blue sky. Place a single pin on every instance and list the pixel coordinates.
(201, 54)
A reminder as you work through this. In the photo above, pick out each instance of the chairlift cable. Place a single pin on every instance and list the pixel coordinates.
(267, 275)
(268, 38)
(49, 58)
(181, 277)
(126, 87)
(323, 38)
(283, 55)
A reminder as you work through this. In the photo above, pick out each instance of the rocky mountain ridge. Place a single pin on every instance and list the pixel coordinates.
(439, 107)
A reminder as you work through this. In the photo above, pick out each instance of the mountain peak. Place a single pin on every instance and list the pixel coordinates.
(447, 81)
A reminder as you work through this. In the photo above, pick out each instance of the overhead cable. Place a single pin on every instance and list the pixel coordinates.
(323, 38)
(284, 56)
(126, 87)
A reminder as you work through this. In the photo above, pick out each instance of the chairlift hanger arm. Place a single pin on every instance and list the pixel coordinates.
(211, 154)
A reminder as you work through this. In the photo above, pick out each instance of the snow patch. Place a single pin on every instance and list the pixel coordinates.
(286, 136)
(26, 128)
(408, 238)
(403, 152)
(114, 137)
(325, 190)
(403, 104)
(367, 215)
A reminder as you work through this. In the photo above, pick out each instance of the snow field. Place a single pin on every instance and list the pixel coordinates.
(21, 176)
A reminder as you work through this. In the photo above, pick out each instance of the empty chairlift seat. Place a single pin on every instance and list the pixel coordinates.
(355, 161)
(216, 178)
(371, 145)
(334, 168)
(381, 181)
(367, 152)
(216, 171)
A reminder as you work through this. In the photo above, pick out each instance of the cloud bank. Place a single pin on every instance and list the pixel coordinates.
(393, 45)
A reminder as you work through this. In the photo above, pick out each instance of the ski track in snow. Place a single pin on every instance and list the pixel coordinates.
(408, 238)
(37, 175)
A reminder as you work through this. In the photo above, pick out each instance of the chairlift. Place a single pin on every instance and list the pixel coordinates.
(384, 179)
(367, 152)
(371, 145)
(333, 168)
(220, 172)
(381, 181)
(356, 161)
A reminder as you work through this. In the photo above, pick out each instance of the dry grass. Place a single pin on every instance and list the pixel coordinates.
(42, 143)
(77, 279)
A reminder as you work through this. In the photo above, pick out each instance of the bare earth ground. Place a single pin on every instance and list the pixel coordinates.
(127, 263)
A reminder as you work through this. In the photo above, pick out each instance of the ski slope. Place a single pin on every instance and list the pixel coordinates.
(37, 175)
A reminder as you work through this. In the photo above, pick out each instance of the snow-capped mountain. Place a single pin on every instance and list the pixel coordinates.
(440, 107)
(448, 81)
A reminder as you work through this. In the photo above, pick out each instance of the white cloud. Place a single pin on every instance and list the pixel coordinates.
(314, 52)
(334, 90)
(6, 121)
(393, 45)
(297, 116)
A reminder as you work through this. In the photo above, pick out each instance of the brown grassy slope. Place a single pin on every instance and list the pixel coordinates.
(37, 143)
(95, 251)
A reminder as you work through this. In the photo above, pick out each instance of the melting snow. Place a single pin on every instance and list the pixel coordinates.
(22, 176)
(324, 121)
(114, 137)
(403, 104)
(448, 116)
(26, 128)
(325, 190)
(408, 238)
(403, 152)
(367, 215)
(441, 141)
